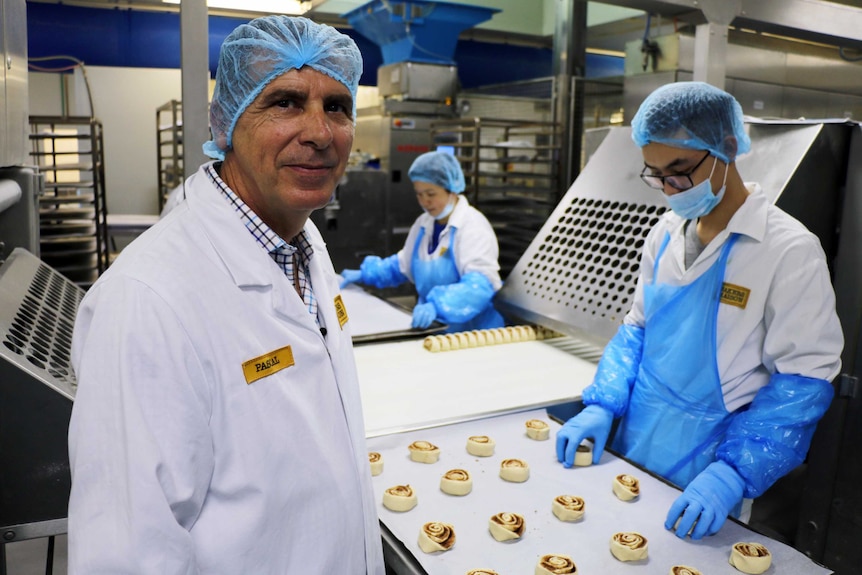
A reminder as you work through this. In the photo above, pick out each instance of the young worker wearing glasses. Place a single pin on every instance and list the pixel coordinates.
(722, 368)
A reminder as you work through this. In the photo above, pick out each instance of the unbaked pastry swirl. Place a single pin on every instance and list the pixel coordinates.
(626, 487)
(375, 460)
(629, 546)
(555, 565)
(751, 558)
(538, 429)
(482, 572)
(436, 536)
(456, 482)
(584, 455)
(515, 470)
(480, 445)
(568, 507)
(506, 526)
(424, 451)
(399, 498)
(683, 570)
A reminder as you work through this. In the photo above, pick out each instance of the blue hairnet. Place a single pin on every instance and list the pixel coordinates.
(438, 168)
(692, 115)
(265, 48)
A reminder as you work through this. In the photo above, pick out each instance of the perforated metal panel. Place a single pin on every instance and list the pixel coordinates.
(589, 260)
(36, 320)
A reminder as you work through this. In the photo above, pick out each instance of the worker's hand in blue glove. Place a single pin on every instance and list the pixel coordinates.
(350, 276)
(423, 315)
(706, 502)
(595, 422)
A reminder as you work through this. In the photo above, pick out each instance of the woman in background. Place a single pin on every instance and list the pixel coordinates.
(450, 254)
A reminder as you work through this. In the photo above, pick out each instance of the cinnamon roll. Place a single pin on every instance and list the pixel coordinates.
(399, 498)
(375, 460)
(424, 452)
(506, 526)
(568, 507)
(456, 482)
(515, 470)
(555, 565)
(435, 536)
(684, 570)
(584, 455)
(626, 487)
(538, 429)
(751, 558)
(629, 546)
(480, 445)
(482, 572)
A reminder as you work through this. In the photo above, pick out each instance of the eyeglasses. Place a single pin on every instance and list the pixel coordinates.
(676, 181)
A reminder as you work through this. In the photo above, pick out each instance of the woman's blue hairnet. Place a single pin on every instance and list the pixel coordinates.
(265, 48)
(692, 115)
(438, 168)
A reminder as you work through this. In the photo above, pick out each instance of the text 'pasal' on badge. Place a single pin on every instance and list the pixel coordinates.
(267, 364)
(734, 295)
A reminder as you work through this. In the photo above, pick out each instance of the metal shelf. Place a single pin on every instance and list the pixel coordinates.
(512, 174)
(169, 146)
(69, 151)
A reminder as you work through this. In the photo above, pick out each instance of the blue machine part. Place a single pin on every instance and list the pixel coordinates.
(416, 30)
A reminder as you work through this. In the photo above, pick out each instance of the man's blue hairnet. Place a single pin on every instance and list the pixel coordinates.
(692, 115)
(265, 48)
(438, 168)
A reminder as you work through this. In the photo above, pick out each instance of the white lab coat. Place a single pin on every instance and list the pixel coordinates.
(476, 248)
(788, 325)
(178, 465)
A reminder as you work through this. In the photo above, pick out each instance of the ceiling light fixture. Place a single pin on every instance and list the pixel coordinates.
(267, 6)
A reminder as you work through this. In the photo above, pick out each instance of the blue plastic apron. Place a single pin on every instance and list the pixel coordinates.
(676, 415)
(442, 270)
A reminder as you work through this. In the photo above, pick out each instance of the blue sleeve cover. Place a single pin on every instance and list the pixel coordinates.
(382, 273)
(617, 371)
(460, 302)
(772, 437)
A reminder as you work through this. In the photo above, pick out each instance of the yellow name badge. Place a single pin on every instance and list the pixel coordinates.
(268, 364)
(340, 311)
(734, 295)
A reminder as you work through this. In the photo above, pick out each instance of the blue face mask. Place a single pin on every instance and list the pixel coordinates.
(448, 209)
(698, 200)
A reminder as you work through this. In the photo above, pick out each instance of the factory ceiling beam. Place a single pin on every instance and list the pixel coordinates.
(812, 20)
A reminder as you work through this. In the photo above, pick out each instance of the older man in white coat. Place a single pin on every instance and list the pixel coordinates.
(217, 426)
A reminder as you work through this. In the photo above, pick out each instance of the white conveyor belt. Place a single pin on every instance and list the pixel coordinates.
(404, 386)
(586, 541)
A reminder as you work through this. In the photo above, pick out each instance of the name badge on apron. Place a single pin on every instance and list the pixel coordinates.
(734, 295)
(267, 364)
(340, 311)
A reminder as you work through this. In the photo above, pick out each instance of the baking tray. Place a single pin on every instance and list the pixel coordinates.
(586, 541)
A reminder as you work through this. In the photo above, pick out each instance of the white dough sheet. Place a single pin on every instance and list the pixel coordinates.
(404, 386)
(585, 541)
(370, 315)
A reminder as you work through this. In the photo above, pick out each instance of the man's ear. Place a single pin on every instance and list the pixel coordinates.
(730, 146)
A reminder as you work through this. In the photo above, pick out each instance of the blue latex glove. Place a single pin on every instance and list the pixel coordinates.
(349, 277)
(382, 272)
(423, 315)
(462, 301)
(594, 421)
(706, 502)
